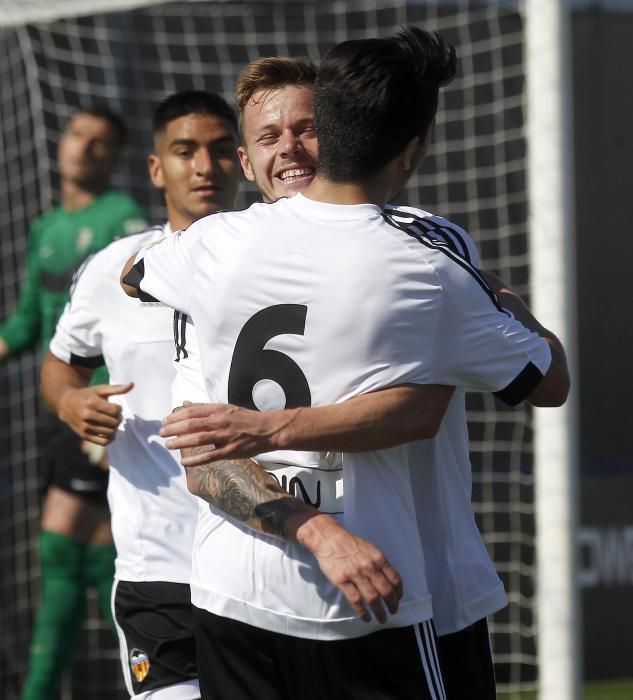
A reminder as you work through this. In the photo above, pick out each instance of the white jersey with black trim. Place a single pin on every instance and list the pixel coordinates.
(437, 228)
(306, 303)
(153, 513)
(462, 578)
(463, 582)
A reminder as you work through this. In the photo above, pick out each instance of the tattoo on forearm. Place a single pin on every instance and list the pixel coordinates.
(245, 491)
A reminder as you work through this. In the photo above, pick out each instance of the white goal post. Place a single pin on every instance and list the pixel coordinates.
(553, 300)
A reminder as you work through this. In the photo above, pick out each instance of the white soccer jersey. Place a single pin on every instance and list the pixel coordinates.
(305, 303)
(462, 579)
(153, 513)
(188, 384)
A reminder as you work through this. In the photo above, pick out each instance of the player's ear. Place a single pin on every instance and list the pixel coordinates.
(412, 154)
(155, 170)
(246, 164)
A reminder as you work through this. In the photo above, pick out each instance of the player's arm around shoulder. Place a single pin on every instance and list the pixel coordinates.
(373, 421)
(553, 388)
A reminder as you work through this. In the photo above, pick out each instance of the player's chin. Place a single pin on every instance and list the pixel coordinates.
(207, 203)
(290, 187)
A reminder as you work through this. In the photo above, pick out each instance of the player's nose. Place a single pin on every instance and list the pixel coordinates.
(203, 162)
(289, 144)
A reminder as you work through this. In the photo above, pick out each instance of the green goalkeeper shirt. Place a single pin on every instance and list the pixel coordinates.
(59, 241)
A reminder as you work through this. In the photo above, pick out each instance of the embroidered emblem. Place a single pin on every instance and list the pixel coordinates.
(139, 663)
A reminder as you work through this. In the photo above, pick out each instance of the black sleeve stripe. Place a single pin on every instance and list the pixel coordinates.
(460, 241)
(87, 362)
(435, 224)
(520, 388)
(180, 332)
(176, 341)
(449, 233)
(134, 278)
(183, 339)
(446, 236)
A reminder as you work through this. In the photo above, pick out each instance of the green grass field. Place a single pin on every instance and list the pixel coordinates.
(617, 690)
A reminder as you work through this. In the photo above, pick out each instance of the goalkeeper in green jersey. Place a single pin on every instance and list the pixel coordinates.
(75, 546)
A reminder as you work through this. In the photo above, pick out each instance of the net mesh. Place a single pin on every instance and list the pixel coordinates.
(474, 173)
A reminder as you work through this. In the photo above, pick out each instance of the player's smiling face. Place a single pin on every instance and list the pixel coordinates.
(196, 163)
(280, 148)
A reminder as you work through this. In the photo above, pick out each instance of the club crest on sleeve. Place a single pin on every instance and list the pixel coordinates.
(139, 663)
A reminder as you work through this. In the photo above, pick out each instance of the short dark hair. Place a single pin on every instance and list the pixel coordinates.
(372, 96)
(114, 119)
(180, 104)
(272, 73)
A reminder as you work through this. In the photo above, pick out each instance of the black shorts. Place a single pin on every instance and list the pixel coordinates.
(466, 662)
(154, 623)
(241, 662)
(65, 465)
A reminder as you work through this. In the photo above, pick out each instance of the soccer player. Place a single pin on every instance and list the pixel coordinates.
(274, 96)
(195, 163)
(75, 545)
(312, 300)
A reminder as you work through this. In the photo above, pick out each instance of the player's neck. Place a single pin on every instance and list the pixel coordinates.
(372, 192)
(75, 196)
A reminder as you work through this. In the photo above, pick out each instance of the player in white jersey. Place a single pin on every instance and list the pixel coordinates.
(328, 299)
(278, 152)
(153, 514)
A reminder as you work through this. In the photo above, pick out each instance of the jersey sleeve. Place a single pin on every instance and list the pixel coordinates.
(458, 240)
(163, 269)
(481, 347)
(188, 384)
(22, 328)
(78, 337)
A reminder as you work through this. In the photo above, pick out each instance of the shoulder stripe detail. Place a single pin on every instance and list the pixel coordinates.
(453, 234)
(443, 247)
(448, 231)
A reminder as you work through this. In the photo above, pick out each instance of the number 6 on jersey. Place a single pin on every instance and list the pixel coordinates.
(251, 362)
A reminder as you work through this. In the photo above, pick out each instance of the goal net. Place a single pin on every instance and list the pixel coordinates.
(57, 56)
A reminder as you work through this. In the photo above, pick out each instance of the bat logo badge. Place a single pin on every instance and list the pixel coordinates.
(139, 663)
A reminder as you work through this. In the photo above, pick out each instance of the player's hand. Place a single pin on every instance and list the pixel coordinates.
(89, 413)
(357, 568)
(229, 432)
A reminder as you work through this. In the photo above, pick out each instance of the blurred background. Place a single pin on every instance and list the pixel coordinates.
(55, 57)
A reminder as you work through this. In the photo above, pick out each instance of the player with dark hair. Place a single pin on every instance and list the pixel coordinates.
(195, 164)
(358, 148)
(463, 582)
(313, 300)
(75, 545)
